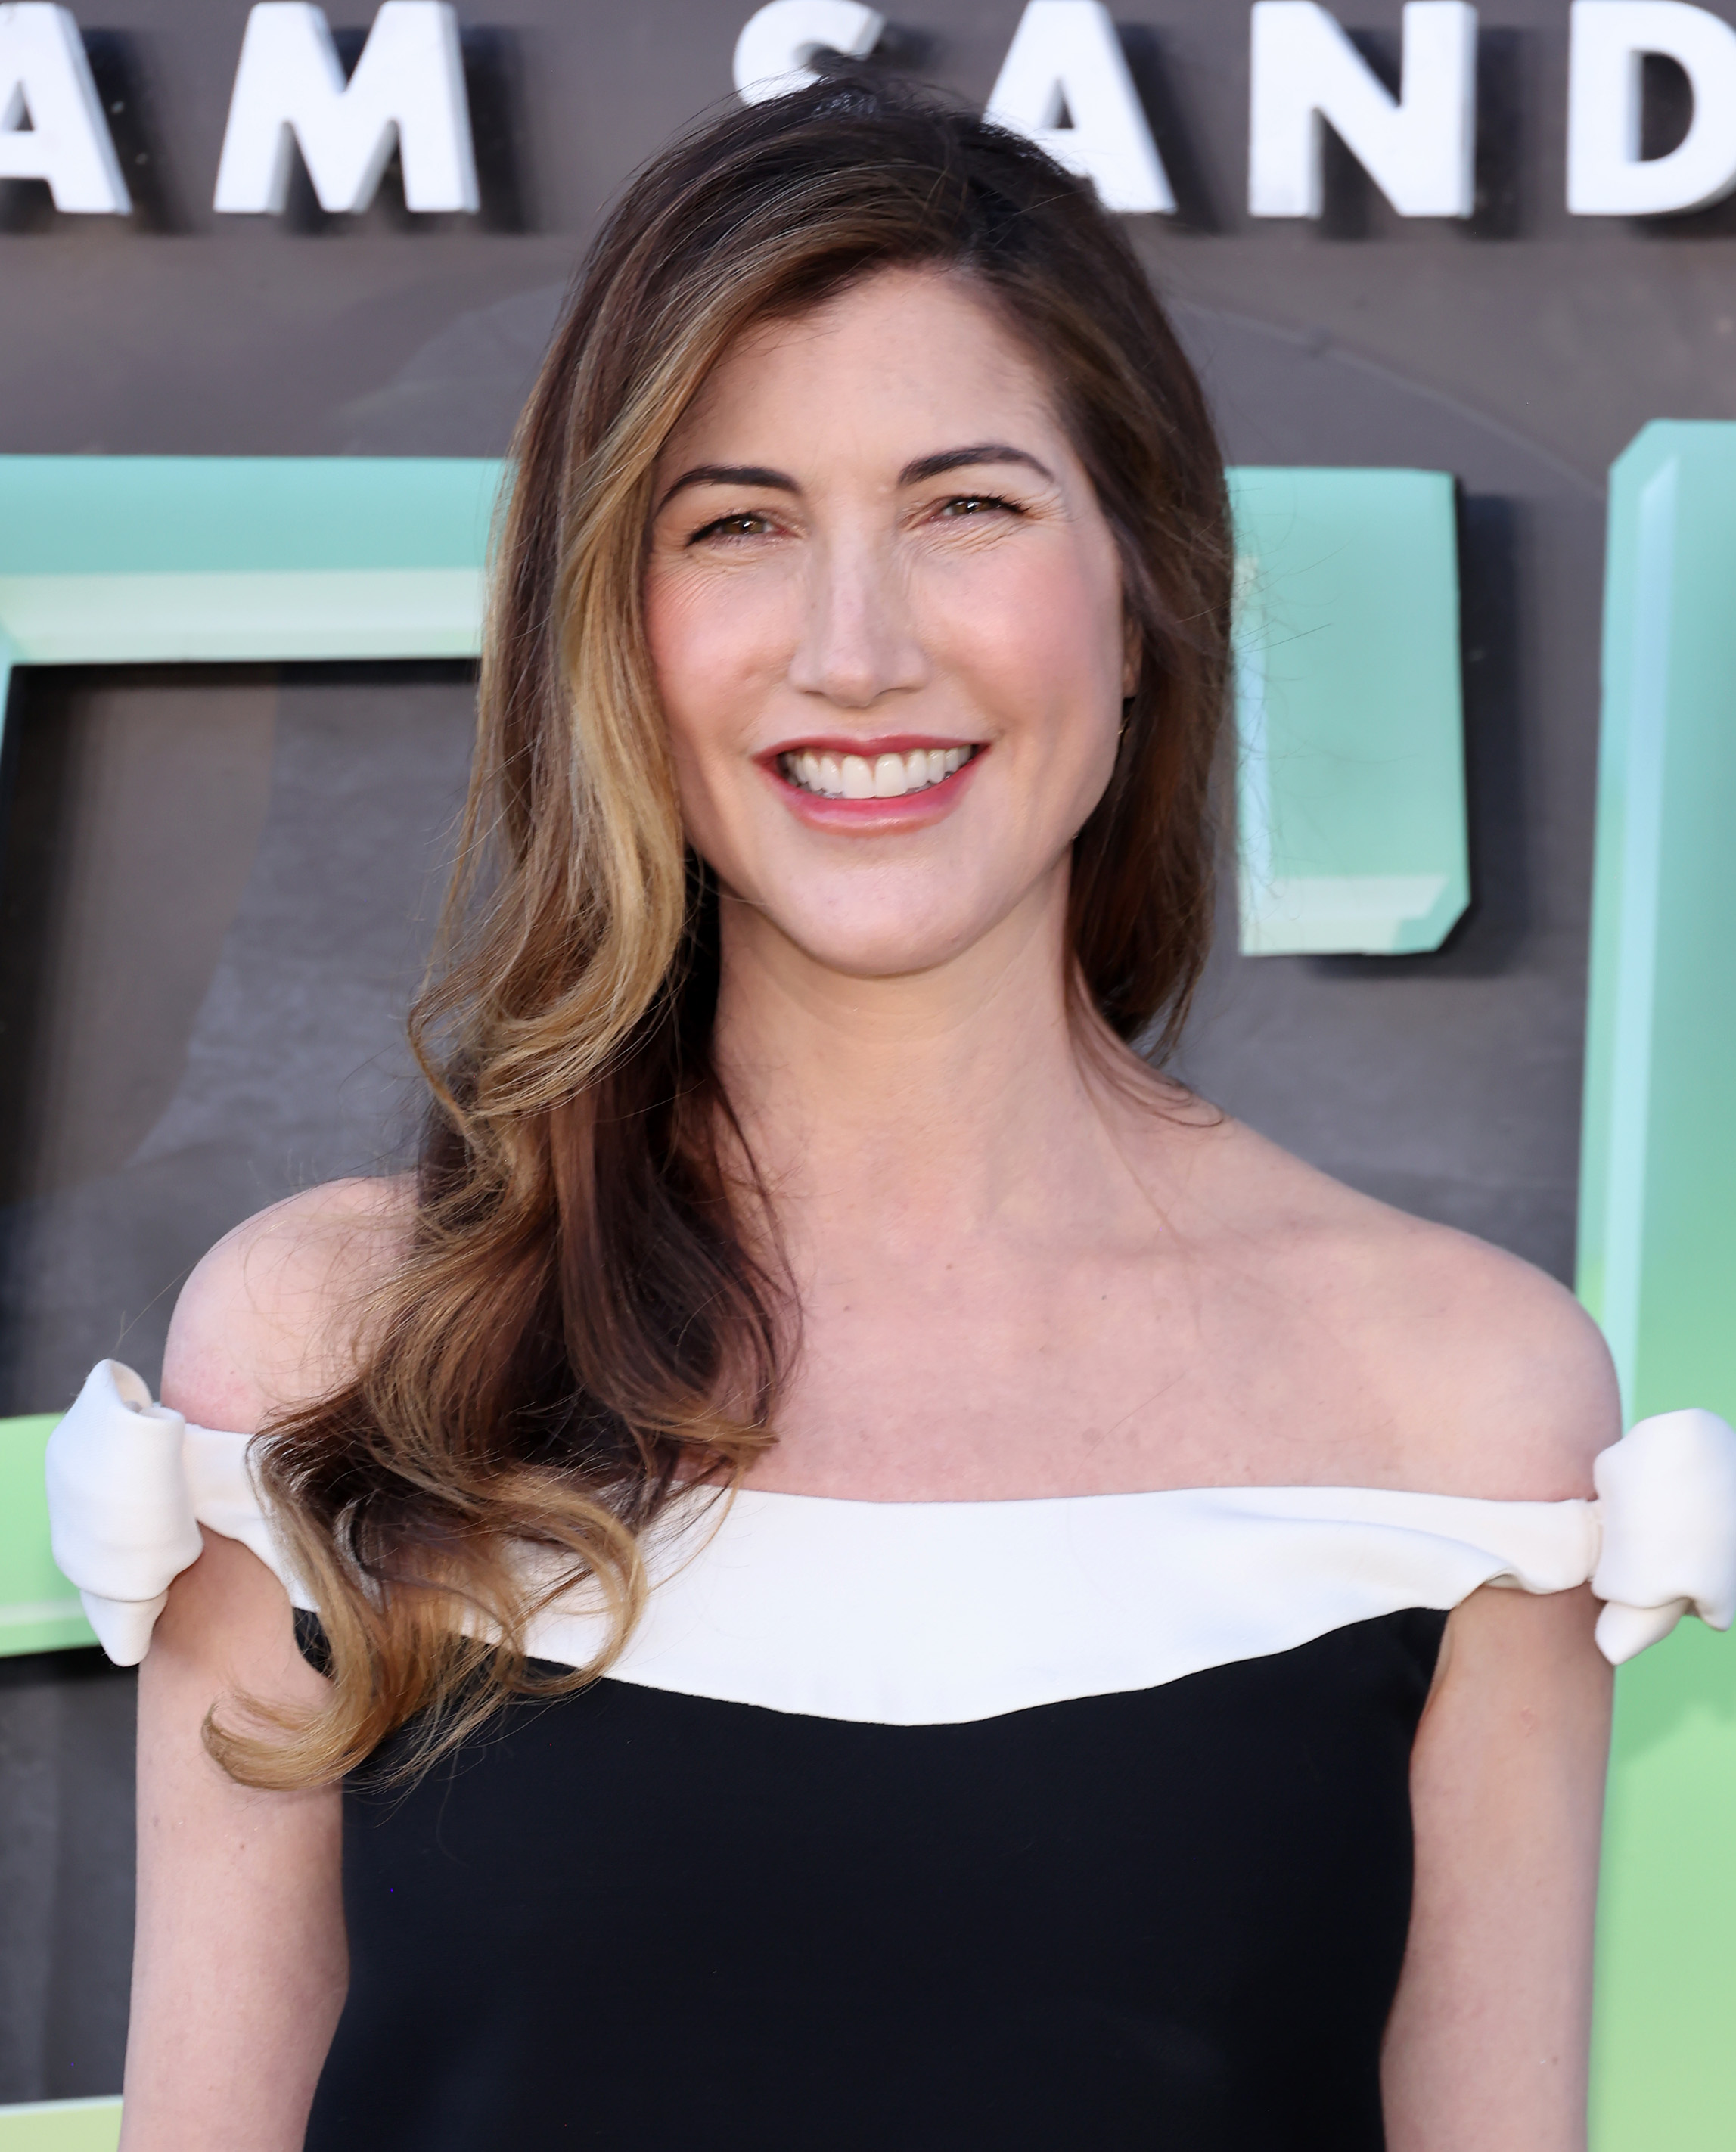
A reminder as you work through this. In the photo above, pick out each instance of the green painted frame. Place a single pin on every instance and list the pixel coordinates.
(61, 2125)
(161, 560)
(1351, 767)
(1657, 1251)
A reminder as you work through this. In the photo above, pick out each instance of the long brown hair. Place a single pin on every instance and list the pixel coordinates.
(582, 1320)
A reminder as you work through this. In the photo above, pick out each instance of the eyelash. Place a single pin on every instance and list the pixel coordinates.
(980, 500)
(719, 527)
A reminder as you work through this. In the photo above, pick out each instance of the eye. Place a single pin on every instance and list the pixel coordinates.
(748, 523)
(964, 504)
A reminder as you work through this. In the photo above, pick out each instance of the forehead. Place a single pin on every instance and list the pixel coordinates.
(904, 349)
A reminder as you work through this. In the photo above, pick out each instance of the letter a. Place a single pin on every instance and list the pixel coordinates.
(1065, 64)
(409, 87)
(45, 78)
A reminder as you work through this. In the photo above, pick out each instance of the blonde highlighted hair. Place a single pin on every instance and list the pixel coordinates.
(580, 1322)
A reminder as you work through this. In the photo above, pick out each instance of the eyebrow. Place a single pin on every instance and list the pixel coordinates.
(729, 474)
(913, 473)
(979, 452)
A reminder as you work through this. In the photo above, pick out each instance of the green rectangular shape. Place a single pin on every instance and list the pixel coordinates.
(61, 2125)
(166, 559)
(94, 516)
(39, 1611)
(214, 617)
(1350, 791)
(1658, 1252)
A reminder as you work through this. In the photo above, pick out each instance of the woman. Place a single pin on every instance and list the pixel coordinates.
(744, 1500)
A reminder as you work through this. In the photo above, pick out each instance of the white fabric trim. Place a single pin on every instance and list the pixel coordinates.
(920, 1613)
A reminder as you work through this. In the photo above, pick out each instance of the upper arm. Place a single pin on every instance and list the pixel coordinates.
(1488, 2046)
(239, 1958)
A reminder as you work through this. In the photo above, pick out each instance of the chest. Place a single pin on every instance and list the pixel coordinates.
(982, 1375)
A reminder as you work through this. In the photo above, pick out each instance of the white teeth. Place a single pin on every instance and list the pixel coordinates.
(887, 777)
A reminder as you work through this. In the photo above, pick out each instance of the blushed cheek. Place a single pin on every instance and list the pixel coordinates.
(1053, 651)
(669, 640)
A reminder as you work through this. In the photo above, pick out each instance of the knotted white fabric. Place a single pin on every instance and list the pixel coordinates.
(1666, 1493)
(130, 1484)
(918, 1613)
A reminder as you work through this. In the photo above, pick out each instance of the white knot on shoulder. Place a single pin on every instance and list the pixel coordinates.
(924, 1612)
(130, 1484)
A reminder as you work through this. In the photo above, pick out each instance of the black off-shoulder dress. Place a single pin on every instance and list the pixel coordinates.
(917, 1827)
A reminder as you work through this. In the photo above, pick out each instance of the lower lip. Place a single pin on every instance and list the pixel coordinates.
(910, 810)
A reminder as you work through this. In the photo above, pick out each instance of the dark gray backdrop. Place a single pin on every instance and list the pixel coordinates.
(214, 888)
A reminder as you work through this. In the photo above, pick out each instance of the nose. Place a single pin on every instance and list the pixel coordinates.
(858, 640)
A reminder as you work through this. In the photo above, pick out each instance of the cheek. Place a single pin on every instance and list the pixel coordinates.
(718, 645)
(1043, 640)
(677, 635)
(703, 648)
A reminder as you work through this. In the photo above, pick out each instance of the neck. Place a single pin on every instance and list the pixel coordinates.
(930, 1102)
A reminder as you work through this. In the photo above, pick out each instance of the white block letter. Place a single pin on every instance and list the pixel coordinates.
(45, 79)
(409, 87)
(1417, 148)
(1065, 62)
(773, 52)
(1606, 176)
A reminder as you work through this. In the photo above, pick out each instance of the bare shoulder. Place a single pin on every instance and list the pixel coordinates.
(1463, 1369)
(271, 1315)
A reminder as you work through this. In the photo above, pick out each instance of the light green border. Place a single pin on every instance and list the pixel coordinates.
(161, 560)
(1351, 761)
(61, 2125)
(1658, 1252)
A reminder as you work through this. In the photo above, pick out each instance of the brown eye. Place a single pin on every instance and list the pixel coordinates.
(974, 504)
(732, 526)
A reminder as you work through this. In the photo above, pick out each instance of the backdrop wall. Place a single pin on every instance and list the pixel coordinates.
(212, 883)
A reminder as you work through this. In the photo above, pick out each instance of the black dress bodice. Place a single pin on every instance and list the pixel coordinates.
(1171, 1918)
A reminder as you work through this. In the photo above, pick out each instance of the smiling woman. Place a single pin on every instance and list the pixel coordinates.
(850, 1566)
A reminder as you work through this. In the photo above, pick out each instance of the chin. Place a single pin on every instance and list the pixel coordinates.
(886, 948)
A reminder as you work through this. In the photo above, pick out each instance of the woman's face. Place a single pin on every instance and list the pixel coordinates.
(884, 612)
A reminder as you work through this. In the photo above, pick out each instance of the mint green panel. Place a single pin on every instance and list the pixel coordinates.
(61, 2125)
(1350, 794)
(121, 514)
(1658, 1252)
(39, 1610)
(116, 559)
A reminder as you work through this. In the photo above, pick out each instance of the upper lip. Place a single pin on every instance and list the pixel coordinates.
(887, 744)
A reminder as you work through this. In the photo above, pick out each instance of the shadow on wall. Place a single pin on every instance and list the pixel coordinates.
(204, 975)
(1448, 1084)
(66, 1874)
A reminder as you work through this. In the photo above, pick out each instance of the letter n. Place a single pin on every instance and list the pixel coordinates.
(1417, 148)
